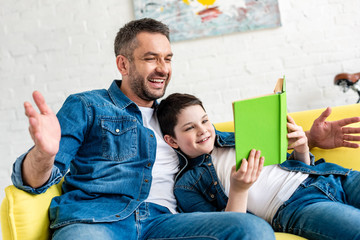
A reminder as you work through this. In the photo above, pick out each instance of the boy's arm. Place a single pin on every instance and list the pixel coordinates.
(242, 180)
(298, 141)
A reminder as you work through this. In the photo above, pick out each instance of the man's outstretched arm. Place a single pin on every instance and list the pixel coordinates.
(45, 131)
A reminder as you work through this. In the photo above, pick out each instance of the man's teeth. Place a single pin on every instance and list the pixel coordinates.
(156, 80)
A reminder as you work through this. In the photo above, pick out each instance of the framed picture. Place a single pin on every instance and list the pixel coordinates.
(190, 19)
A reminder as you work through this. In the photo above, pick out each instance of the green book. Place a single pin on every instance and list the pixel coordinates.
(260, 123)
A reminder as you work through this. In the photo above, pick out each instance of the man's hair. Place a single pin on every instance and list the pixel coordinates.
(125, 41)
(169, 109)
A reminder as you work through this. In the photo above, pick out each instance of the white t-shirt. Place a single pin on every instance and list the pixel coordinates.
(273, 187)
(165, 167)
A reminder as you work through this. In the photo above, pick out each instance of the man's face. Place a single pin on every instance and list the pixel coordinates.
(150, 70)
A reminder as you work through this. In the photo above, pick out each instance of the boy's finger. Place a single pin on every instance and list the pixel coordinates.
(256, 164)
(261, 165)
(290, 119)
(243, 166)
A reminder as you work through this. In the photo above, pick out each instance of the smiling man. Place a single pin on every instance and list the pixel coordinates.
(118, 172)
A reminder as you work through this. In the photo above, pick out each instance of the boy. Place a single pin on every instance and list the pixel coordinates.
(285, 195)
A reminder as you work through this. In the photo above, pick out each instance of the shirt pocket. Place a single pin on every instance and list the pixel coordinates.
(119, 138)
(210, 193)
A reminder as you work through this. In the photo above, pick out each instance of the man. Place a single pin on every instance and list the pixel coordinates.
(119, 173)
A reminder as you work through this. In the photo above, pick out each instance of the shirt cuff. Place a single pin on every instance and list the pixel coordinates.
(16, 177)
(312, 158)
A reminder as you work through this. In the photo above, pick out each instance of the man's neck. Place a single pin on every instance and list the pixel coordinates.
(135, 98)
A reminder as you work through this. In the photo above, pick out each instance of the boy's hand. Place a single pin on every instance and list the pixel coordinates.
(298, 141)
(241, 181)
(248, 172)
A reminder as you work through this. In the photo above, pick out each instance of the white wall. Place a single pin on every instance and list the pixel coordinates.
(63, 47)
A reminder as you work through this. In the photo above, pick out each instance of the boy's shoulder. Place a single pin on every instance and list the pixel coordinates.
(225, 139)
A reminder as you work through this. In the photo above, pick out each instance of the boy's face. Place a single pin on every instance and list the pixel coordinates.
(194, 133)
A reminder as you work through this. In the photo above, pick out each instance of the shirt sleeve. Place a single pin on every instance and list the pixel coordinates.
(73, 121)
(312, 158)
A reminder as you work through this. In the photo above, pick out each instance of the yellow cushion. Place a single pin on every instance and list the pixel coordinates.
(25, 216)
(287, 236)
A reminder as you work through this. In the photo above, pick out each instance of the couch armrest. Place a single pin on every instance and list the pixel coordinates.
(25, 216)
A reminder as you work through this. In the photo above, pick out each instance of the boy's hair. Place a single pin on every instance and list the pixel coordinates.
(125, 41)
(169, 109)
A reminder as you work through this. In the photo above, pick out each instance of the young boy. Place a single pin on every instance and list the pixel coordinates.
(296, 196)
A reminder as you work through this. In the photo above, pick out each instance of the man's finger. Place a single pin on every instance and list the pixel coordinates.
(350, 144)
(347, 130)
(351, 137)
(324, 115)
(347, 121)
(40, 103)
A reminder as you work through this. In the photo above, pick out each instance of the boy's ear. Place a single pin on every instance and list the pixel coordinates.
(171, 141)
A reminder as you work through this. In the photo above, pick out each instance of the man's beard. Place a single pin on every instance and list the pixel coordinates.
(138, 86)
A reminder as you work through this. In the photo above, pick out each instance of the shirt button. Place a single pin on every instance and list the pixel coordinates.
(117, 215)
(212, 196)
(209, 164)
(149, 164)
(146, 180)
(215, 183)
(151, 135)
(117, 130)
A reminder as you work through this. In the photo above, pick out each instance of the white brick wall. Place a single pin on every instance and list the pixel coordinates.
(62, 47)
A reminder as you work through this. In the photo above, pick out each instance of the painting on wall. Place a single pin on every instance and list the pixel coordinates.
(189, 19)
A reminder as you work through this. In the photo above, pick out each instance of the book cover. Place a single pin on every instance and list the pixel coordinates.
(260, 123)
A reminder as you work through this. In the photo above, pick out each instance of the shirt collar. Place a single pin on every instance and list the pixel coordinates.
(119, 98)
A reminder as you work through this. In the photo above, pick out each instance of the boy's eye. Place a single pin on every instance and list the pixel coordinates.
(188, 128)
(205, 121)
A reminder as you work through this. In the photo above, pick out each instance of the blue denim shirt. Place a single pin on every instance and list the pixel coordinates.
(198, 188)
(107, 155)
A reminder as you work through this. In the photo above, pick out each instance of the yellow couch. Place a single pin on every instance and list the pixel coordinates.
(25, 216)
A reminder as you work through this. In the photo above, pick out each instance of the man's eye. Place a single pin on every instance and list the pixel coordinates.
(205, 121)
(149, 59)
(168, 59)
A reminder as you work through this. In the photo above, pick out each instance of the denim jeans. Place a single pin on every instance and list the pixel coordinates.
(151, 221)
(323, 207)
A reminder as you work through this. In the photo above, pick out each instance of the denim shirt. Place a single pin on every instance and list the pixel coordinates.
(198, 188)
(107, 155)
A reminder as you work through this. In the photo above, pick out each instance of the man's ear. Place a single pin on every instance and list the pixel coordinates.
(171, 141)
(122, 64)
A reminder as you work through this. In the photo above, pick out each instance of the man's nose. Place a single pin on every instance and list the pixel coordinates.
(163, 67)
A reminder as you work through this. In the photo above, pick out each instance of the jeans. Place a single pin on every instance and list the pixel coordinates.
(323, 207)
(151, 221)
